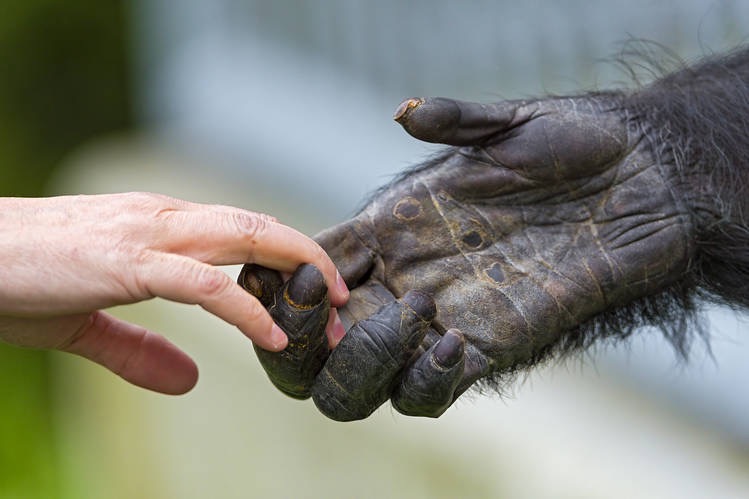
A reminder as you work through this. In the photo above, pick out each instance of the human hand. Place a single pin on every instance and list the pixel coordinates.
(546, 214)
(63, 259)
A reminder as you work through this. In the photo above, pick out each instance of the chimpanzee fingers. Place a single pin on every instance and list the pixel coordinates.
(261, 282)
(359, 374)
(457, 123)
(349, 245)
(427, 388)
(365, 301)
(300, 307)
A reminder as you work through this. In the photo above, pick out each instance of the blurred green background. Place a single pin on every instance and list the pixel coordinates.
(64, 78)
(284, 107)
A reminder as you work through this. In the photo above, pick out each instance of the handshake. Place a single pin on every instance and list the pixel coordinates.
(548, 224)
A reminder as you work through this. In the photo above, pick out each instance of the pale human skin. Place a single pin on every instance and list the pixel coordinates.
(65, 259)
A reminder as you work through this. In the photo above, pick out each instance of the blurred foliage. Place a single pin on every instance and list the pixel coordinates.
(63, 79)
(28, 462)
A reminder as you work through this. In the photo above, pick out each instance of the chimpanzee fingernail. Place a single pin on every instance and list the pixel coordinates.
(306, 287)
(252, 283)
(449, 349)
(421, 303)
(405, 107)
(260, 282)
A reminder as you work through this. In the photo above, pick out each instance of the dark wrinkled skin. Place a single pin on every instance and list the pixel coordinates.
(545, 214)
(344, 389)
(301, 308)
(340, 385)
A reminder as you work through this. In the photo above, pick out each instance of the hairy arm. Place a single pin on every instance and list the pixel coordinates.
(697, 119)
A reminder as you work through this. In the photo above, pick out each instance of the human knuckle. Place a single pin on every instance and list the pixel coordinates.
(255, 312)
(143, 199)
(251, 225)
(139, 276)
(210, 281)
(137, 210)
(320, 257)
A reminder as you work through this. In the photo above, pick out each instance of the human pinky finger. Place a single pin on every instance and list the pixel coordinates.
(137, 355)
(182, 279)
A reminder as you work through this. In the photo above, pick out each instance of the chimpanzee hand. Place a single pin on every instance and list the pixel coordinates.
(344, 384)
(547, 213)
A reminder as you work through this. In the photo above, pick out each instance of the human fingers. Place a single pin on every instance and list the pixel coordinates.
(334, 330)
(221, 236)
(360, 372)
(139, 356)
(427, 388)
(458, 123)
(300, 307)
(185, 280)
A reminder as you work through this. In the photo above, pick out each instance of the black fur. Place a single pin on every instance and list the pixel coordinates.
(700, 118)
(696, 117)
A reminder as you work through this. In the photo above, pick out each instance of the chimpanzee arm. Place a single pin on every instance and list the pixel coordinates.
(698, 119)
(549, 225)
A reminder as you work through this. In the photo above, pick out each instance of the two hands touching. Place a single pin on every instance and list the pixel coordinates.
(64, 259)
(547, 225)
(542, 215)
